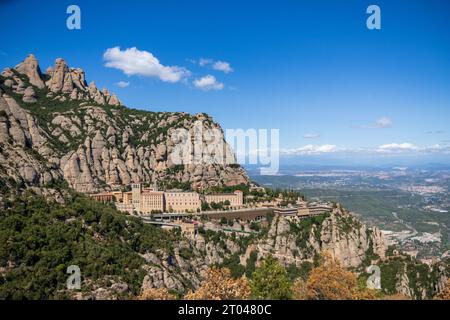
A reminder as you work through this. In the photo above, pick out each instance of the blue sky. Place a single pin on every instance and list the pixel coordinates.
(310, 68)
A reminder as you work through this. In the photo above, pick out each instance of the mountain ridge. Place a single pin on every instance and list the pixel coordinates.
(77, 133)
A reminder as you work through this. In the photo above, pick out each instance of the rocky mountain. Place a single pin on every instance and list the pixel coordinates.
(348, 240)
(294, 242)
(119, 256)
(54, 128)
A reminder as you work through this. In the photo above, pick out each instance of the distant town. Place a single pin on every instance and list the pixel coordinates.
(411, 205)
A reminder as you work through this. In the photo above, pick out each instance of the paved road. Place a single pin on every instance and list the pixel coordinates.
(264, 210)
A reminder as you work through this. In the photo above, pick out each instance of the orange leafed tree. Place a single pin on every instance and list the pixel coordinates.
(329, 281)
(156, 294)
(219, 285)
(444, 294)
(396, 296)
(299, 290)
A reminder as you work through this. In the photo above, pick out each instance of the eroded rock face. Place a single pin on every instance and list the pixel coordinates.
(63, 82)
(348, 244)
(19, 135)
(280, 242)
(78, 78)
(114, 101)
(29, 95)
(94, 146)
(58, 76)
(349, 241)
(108, 156)
(30, 68)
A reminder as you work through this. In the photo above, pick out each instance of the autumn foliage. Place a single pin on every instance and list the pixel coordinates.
(299, 290)
(330, 281)
(397, 296)
(156, 294)
(219, 285)
(444, 294)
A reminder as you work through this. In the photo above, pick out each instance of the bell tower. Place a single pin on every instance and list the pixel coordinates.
(136, 190)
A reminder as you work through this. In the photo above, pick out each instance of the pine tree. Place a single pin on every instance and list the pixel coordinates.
(271, 281)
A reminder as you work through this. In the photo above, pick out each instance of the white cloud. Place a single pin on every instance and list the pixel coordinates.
(311, 149)
(385, 149)
(437, 148)
(208, 82)
(311, 135)
(381, 123)
(222, 66)
(136, 62)
(397, 147)
(411, 148)
(216, 65)
(203, 62)
(122, 84)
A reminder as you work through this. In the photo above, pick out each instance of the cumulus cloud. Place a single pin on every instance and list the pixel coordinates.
(136, 62)
(311, 149)
(207, 83)
(311, 135)
(222, 66)
(122, 84)
(381, 123)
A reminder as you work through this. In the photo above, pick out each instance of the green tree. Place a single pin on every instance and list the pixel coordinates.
(270, 281)
(205, 206)
(42, 238)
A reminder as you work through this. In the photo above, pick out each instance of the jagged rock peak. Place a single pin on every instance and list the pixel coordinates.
(61, 79)
(30, 67)
(58, 76)
(49, 71)
(92, 87)
(114, 101)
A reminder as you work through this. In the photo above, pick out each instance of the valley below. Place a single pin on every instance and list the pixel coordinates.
(411, 206)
